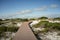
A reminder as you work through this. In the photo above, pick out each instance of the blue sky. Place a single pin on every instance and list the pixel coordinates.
(29, 8)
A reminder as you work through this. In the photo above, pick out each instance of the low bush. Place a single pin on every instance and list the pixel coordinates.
(9, 29)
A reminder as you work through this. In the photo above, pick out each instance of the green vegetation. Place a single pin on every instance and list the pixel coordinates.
(40, 24)
(9, 26)
(48, 26)
(58, 18)
(53, 26)
(32, 19)
(12, 29)
(43, 18)
(18, 20)
(9, 29)
(24, 19)
(3, 29)
(1, 22)
(0, 19)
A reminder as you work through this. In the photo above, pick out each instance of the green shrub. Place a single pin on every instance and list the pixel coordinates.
(43, 18)
(40, 24)
(9, 29)
(3, 29)
(12, 29)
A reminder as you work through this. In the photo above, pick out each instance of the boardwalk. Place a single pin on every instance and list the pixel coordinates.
(24, 33)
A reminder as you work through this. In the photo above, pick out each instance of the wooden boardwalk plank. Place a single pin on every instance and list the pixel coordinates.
(24, 33)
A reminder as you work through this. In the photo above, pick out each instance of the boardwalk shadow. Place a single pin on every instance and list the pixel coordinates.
(36, 35)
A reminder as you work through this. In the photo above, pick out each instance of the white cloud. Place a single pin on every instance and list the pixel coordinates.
(54, 6)
(41, 8)
(20, 12)
(26, 11)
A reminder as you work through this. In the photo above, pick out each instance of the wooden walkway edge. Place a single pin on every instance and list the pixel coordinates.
(24, 33)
